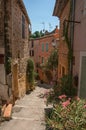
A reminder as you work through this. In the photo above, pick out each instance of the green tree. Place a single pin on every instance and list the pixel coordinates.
(52, 62)
(37, 34)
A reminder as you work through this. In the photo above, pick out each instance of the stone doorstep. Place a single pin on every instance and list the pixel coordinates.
(7, 112)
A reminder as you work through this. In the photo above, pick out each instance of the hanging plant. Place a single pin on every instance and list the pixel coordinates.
(68, 39)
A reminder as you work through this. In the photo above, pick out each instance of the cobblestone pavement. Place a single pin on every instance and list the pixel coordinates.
(28, 112)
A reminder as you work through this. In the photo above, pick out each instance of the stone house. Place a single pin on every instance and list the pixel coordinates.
(34, 51)
(77, 34)
(41, 48)
(14, 36)
(61, 10)
(79, 47)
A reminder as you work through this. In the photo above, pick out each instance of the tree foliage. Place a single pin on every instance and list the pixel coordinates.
(52, 62)
(37, 34)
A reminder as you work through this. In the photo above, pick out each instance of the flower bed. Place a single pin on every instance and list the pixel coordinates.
(68, 114)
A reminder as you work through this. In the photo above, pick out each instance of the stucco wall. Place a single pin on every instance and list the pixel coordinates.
(63, 49)
(79, 33)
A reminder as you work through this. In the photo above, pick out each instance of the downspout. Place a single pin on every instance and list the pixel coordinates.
(72, 18)
(12, 53)
(5, 40)
(72, 33)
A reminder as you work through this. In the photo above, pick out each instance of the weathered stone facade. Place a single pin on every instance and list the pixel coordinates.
(15, 42)
(62, 10)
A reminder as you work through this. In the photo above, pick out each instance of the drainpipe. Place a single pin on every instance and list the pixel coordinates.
(13, 93)
(5, 40)
(72, 18)
(72, 33)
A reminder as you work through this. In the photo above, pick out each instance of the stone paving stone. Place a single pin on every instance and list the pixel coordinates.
(28, 113)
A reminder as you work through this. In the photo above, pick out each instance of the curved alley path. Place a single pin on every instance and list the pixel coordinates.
(28, 112)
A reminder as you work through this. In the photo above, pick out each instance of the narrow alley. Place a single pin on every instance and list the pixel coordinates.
(28, 112)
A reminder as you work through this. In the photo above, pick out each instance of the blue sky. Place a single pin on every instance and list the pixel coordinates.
(40, 13)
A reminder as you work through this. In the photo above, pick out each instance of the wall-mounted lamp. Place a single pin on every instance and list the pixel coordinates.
(54, 43)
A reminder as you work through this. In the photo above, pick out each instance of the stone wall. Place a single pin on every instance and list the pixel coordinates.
(1, 23)
(63, 49)
(20, 51)
(12, 43)
(3, 39)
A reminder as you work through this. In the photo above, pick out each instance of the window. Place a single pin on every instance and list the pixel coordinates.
(19, 54)
(46, 46)
(39, 58)
(63, 71)
(31, 52)
(1, 59)
(23, 26)
(73, 60)
(37, 71)
(42, 59)
(42, 46)
(64, 27)
(84, 12)
(32, 44)
(59, 69)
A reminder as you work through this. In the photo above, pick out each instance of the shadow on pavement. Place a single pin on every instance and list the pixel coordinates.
(44, 85)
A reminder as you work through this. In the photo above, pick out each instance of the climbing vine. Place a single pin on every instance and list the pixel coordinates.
(70, 50)
(52, 62)
(68, 40)
(8, 60)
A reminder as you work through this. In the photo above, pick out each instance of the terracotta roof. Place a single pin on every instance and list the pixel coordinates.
(54, 33)
(21, 3)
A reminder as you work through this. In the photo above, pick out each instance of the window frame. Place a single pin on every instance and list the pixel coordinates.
(23, 26)
(47, 47)
(42, 47)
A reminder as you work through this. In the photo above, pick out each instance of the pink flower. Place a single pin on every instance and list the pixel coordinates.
(84, 106)
(69, 99)
(65, 104)
(77, 98)
(62, 96)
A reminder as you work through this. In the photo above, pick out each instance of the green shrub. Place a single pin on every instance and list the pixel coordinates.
(67, 87)
(48, 75)
(36, 75)
(52, 62)
(68, 114)
(30, 71)
(64, 86)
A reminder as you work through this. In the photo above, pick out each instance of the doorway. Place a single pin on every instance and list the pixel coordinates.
(82, 92)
